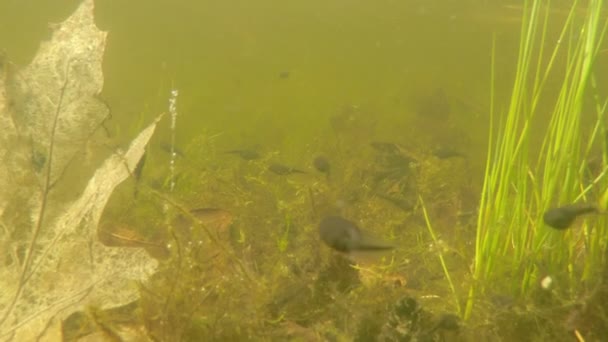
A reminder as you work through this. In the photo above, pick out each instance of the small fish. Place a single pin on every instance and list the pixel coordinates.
(400, 203)
(246, 154)
(217, 221)
(562, 217)
(322, 165)
(447, 153)
(344, 236)
(283, 170)
(216, 218)
(119, 234)
(284, 74)
(385, 147)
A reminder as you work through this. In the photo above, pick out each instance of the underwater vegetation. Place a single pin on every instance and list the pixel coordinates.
(523, 247)
(233, 238)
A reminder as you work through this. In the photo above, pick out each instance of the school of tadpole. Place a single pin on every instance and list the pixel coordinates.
(329, 244)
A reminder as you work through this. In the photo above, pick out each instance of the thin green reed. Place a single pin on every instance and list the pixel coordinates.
(565, 154)
(495, 217)
(511, 239)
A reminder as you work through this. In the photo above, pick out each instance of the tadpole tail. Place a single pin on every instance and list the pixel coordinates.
(591, 209)
(372, 247)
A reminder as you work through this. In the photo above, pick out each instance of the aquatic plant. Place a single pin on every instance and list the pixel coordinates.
(446, 272)
(514, 250)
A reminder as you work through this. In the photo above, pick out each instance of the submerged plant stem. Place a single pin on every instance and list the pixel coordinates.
(446, 272)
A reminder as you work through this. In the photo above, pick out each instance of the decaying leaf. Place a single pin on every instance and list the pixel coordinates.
(74, 267)
(66, 76)
(53, 263)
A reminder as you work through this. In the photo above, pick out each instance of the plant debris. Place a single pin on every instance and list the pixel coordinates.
(52, 260)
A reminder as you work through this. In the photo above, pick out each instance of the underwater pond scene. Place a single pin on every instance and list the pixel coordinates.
(340, 170)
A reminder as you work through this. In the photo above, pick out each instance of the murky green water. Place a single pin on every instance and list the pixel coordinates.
(394, 94)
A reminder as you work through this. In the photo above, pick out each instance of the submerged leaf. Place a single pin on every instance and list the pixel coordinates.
(56, 96)
(53, 263)
(74, 267)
